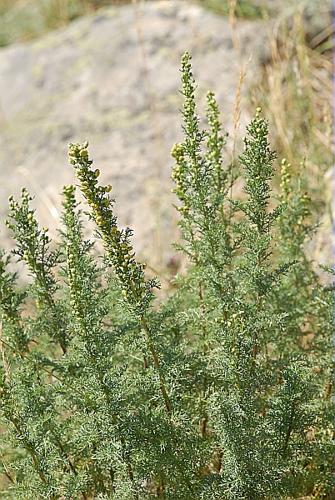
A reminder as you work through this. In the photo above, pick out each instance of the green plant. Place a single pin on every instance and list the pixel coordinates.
(220, 391)
(241, 8)
(25, 20)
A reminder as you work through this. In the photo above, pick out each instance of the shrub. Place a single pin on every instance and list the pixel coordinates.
(221, 390)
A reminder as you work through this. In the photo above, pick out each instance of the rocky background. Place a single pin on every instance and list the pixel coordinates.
(113, 78)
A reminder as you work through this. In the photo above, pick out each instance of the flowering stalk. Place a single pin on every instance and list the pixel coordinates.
(33, 248)
(137, 291)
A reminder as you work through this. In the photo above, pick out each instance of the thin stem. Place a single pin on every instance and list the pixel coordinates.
(289, 429)
(30, 450)
(7, 474)
(157, 365)
(3, 355)
(204, 418)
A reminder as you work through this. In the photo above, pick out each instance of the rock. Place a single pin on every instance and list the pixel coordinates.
(113, 79)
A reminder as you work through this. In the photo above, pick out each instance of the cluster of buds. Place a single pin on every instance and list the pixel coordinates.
(302, 200)
(258, 130)
(257, 160)
(98, 197)
(117, 242)
(216, 175)
(305, 201)
(191, 120)
(178, 174)
(69, 202)
(25, 228)
(9, 300)
(33, 249)
(215, 140)
(72, 248)
(285, 178)
(305, 211)
(199, 178)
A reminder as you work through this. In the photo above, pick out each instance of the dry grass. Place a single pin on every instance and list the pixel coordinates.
(295, 92)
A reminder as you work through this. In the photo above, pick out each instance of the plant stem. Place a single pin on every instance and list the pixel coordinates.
(157, 365)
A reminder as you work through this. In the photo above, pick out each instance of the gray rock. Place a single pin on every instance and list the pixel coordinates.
(113, 79)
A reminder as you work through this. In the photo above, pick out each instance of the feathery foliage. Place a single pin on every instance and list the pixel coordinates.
(220, 391)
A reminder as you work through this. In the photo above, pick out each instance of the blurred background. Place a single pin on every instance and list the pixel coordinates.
(108, 71)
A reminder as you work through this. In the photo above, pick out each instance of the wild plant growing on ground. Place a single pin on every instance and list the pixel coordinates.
(220, 391)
